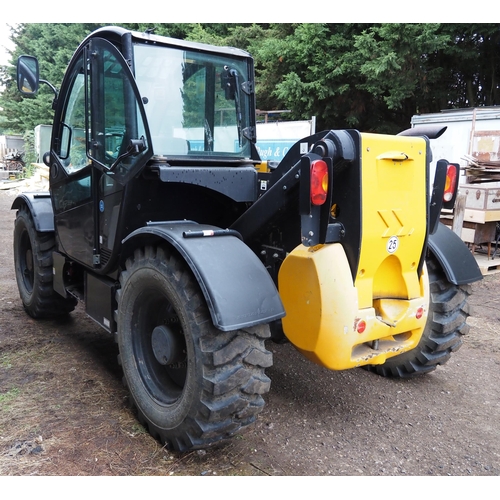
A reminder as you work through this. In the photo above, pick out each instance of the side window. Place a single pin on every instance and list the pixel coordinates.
(117, 114)
(72, 151)
(109, 127)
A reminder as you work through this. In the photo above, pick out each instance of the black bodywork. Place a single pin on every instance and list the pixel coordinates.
(100, 212)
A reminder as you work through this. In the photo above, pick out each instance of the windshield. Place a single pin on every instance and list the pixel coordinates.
(194, 102)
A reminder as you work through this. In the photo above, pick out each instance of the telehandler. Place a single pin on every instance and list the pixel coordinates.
(161, 222)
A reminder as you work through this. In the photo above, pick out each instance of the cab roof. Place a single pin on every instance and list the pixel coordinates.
(117, 34)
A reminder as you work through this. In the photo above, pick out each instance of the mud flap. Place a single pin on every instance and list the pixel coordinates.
(40, 206)
(237, 287)
(455, 258)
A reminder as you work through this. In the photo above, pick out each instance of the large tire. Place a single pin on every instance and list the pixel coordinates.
(446, 324)
(33, 267)
(192, 384)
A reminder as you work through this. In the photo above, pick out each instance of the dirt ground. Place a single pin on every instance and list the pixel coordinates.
(64, 410)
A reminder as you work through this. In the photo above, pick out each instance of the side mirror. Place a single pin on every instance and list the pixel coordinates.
(27, 75)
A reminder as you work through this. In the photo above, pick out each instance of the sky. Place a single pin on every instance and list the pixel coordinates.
(4, 42)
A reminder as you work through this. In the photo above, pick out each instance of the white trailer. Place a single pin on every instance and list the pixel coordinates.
(471, 131)
(10, 144)
(42, 141)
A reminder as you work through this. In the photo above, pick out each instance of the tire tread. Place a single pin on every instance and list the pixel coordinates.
(43, 301)
(233, 379)
(443, 334)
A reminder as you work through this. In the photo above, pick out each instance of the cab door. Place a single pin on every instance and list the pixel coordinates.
(100, 113)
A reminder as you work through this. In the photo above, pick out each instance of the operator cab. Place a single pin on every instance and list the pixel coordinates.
(181, 100)
(135, 105)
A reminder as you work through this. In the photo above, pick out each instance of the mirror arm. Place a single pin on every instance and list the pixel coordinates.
(56, 92)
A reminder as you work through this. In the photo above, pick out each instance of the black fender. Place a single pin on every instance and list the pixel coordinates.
(40, 206)
(430, 131)
(455, 258)
(237, 287)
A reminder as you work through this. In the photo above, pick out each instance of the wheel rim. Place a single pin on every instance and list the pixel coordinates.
(26, 263)
(153, 315)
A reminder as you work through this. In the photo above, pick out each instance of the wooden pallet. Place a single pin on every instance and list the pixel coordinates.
(488, 266)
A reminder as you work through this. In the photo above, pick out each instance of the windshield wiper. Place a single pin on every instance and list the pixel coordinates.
(208, 135)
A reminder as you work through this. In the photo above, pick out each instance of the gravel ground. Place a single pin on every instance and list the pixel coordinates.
(64, 411)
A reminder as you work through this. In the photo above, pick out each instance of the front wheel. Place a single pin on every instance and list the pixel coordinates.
(192, 384)
(446, 324)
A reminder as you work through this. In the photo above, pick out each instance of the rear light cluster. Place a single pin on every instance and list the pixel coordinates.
(451, 179)
(319, 182)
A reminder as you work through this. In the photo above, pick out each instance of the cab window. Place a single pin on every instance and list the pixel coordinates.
(72, 144)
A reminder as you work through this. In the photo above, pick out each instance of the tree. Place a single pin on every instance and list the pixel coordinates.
(472, 64)
(53, 45)
(313, 71)
(373, 77)
(399, 68)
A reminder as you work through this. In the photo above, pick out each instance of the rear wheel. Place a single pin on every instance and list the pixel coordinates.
(192, 384)
(33, 267)
(446, 324)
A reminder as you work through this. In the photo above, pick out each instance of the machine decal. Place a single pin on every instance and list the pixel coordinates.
(392, 244)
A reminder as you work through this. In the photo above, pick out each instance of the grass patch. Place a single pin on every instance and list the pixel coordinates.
(7, 397)
(138, 429)
(5, 362)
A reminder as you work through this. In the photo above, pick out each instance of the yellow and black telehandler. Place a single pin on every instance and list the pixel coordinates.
(160, 222)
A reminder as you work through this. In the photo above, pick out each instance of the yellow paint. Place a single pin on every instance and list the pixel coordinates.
(322, 312)
(393, 206)
(262, 167)
(323, 305)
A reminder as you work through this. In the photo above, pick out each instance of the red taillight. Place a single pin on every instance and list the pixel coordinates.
(451, 180)
(319, 182)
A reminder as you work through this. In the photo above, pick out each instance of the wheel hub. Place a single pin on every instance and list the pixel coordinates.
(29, 260)
(167, 346)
